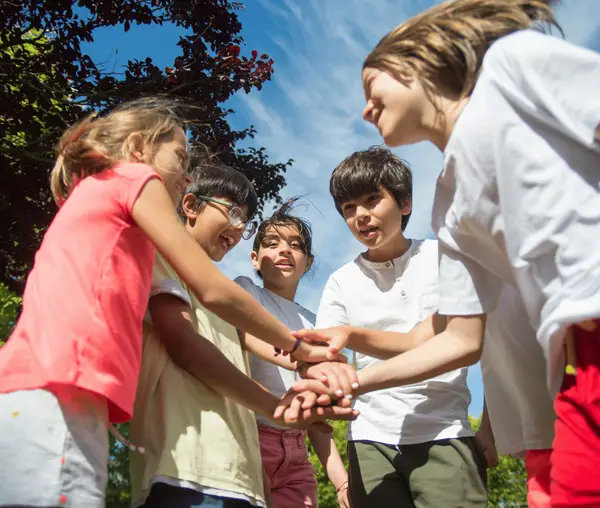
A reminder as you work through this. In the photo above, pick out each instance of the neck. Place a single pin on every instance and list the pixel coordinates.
(445, 120)
(392, 250)
(288, 293)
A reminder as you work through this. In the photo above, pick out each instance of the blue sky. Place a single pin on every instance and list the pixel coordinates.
(310, 111)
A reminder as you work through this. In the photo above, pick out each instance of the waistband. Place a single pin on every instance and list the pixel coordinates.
(284, 435)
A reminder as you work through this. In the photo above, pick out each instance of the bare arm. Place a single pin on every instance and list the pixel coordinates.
(202, 359)
(154, 213)
(459, 345)
(265, 351)
(329, 456)
(384, 345)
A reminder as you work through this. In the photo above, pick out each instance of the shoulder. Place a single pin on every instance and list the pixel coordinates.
(344, 273)
(249, 285)
(134, 171)
(166, 281)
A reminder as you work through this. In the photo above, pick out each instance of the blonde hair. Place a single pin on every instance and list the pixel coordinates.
(99, 142)
(444, 46)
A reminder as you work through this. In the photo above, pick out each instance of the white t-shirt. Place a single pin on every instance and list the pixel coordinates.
(518, 199)
(396, 296)
(514, 378)
(275, 379)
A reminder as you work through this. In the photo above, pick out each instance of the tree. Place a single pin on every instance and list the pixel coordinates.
(48, 83)
(9, 306)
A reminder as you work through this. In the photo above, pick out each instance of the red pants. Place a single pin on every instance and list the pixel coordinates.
(538, 463)
(290, 474)
(576, 451)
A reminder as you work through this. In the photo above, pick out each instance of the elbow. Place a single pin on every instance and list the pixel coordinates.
(472, 350)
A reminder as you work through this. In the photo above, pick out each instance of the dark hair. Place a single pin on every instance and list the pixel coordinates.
(364, 172)
(282, 217)
(212, 179)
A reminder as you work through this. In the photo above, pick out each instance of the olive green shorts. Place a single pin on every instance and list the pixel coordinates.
(449, 473)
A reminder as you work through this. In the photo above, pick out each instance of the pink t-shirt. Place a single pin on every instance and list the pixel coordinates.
(86, 296)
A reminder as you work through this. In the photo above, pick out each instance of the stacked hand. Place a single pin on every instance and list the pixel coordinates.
(325, 393)
(335, 339)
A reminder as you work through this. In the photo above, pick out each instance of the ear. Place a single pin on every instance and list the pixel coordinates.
(255, 260)
(309, 263)
(407, 207)
(134, 145)
(190, 206)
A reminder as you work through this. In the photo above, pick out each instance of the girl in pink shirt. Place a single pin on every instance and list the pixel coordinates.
(71, 366)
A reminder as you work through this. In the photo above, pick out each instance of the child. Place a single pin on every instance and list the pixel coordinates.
(281, 255)
(72, 361)
(518, 418)
(517, 115)
(201, 446)
(412, 446)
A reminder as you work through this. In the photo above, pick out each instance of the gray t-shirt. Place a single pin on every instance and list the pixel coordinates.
(275, 379)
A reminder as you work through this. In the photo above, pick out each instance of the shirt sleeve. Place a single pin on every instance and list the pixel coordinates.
(247, 284)
(166, 282)
(466, 288)
(132, 179)
(550, 79)
(332, 311)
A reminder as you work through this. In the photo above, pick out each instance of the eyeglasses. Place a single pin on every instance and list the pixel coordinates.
(235, 216)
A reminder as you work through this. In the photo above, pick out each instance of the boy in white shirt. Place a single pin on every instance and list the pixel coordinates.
(412, 445)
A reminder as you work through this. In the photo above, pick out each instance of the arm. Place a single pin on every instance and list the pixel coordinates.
(202, 359)
(154, 213)
(265, 351)
(384, 345)
(459, 345)
(485, 436)
(328, 454)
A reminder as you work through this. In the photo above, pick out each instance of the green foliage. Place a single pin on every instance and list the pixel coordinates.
(507, 483)
(327, 493)
(118, 490)
(9, 307)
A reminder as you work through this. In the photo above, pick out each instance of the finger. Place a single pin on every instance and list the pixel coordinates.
(589, 325)
(344, 402)
(352, 375)
(344, 377)
(334, 383)
(311, 335)
(311, 385)
(310, 399)
(324, 400)
(295, 409)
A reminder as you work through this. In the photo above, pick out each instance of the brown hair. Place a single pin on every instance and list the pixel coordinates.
(99, 142)
(444, 46)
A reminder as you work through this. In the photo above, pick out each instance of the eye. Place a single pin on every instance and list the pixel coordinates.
(373, 197)
(296, 245)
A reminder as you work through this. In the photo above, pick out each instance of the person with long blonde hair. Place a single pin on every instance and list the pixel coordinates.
(516, 113)
(70, 368)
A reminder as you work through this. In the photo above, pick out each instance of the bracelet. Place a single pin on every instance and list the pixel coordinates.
(294, 349)
(345, 484)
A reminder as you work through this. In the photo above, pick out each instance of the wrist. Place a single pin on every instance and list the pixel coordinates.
(295, 347)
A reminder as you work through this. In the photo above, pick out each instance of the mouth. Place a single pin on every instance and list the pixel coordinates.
(227, 241)
(368, 233)
(284, 265)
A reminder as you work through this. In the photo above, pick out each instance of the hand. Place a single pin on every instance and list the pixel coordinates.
(318, 387)
(337, 337)
(304, 409)
(343, 496)
(310, 352)
(489, 448)
(340, 377)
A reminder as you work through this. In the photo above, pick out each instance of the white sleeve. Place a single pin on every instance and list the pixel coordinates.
(550, 79)
(332, 311)
(466, 288)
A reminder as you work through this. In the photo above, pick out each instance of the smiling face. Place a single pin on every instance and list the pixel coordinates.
(281, 258)
(375, 219)
(208, 223)
(398, 107)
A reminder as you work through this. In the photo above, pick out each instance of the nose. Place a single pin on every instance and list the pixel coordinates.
(187, 179)
(367, 113)
(284, 248)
